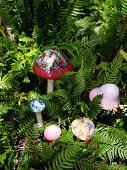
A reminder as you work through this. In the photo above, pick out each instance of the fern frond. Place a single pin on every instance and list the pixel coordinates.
(65, 9)
(88, 164)
(92, 41)
(119, 166)
(112, 4)
(24, 124)
(124, 8)
(25, 15)
(54, 109)
(17, 16)
(113, 10)
(78, 8)
(89, 59)
(115, 28)
(112, 143)
(15, 131)
(80, 83)
(9, 17)
(66, 78)
(8, 83)
(66, 158)
(64, 99)
(4, 108)
(94, 108)
(83, 25)
(66, 137)
(111, 74)
(112, 150)
(84, 164)
(115, 134)
(74, 52)
(36, 151)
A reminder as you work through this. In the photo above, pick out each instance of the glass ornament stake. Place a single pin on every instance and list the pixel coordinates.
(36, 106)
(49, 65)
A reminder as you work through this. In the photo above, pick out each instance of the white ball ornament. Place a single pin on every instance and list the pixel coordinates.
(52, 132)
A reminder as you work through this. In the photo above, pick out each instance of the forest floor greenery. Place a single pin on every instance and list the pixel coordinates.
(92, 34)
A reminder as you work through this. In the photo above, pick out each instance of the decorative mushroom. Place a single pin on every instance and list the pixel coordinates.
(52, 132)
(49, 65)
(36, 106)
(83, 128)
(110, 98)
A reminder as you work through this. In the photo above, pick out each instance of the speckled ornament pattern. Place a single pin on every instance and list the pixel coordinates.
(51, 60)
(37, 105)
(83, 128)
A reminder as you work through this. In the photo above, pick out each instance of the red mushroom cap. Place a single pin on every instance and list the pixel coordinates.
(50, 64)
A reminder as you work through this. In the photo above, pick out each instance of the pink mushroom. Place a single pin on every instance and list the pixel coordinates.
(110, 98)
(52, 132)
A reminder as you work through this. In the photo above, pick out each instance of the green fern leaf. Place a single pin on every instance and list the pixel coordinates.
(66, 158)
(64, 98)
(111, 74)
(80, 83)
(78, 8)
(112, 143)
(92, 41)
(124, 8)
(54, 109)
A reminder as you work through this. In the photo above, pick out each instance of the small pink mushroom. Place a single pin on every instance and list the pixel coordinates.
(110, 98)
(52, 132)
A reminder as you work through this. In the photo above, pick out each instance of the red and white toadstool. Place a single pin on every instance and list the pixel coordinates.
(110, 98)
(49, 65)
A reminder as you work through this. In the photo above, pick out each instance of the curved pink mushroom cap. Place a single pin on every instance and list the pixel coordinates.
(52, 132)
(50, 64)
(110, 98)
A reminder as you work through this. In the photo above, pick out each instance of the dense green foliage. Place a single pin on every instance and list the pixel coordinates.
(93, 36)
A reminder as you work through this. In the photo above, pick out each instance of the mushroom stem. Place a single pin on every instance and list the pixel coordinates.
(39, 118)
(50, 86)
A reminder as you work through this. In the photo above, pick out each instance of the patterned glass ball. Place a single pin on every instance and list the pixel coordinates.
(36, 105)
(83, 128)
